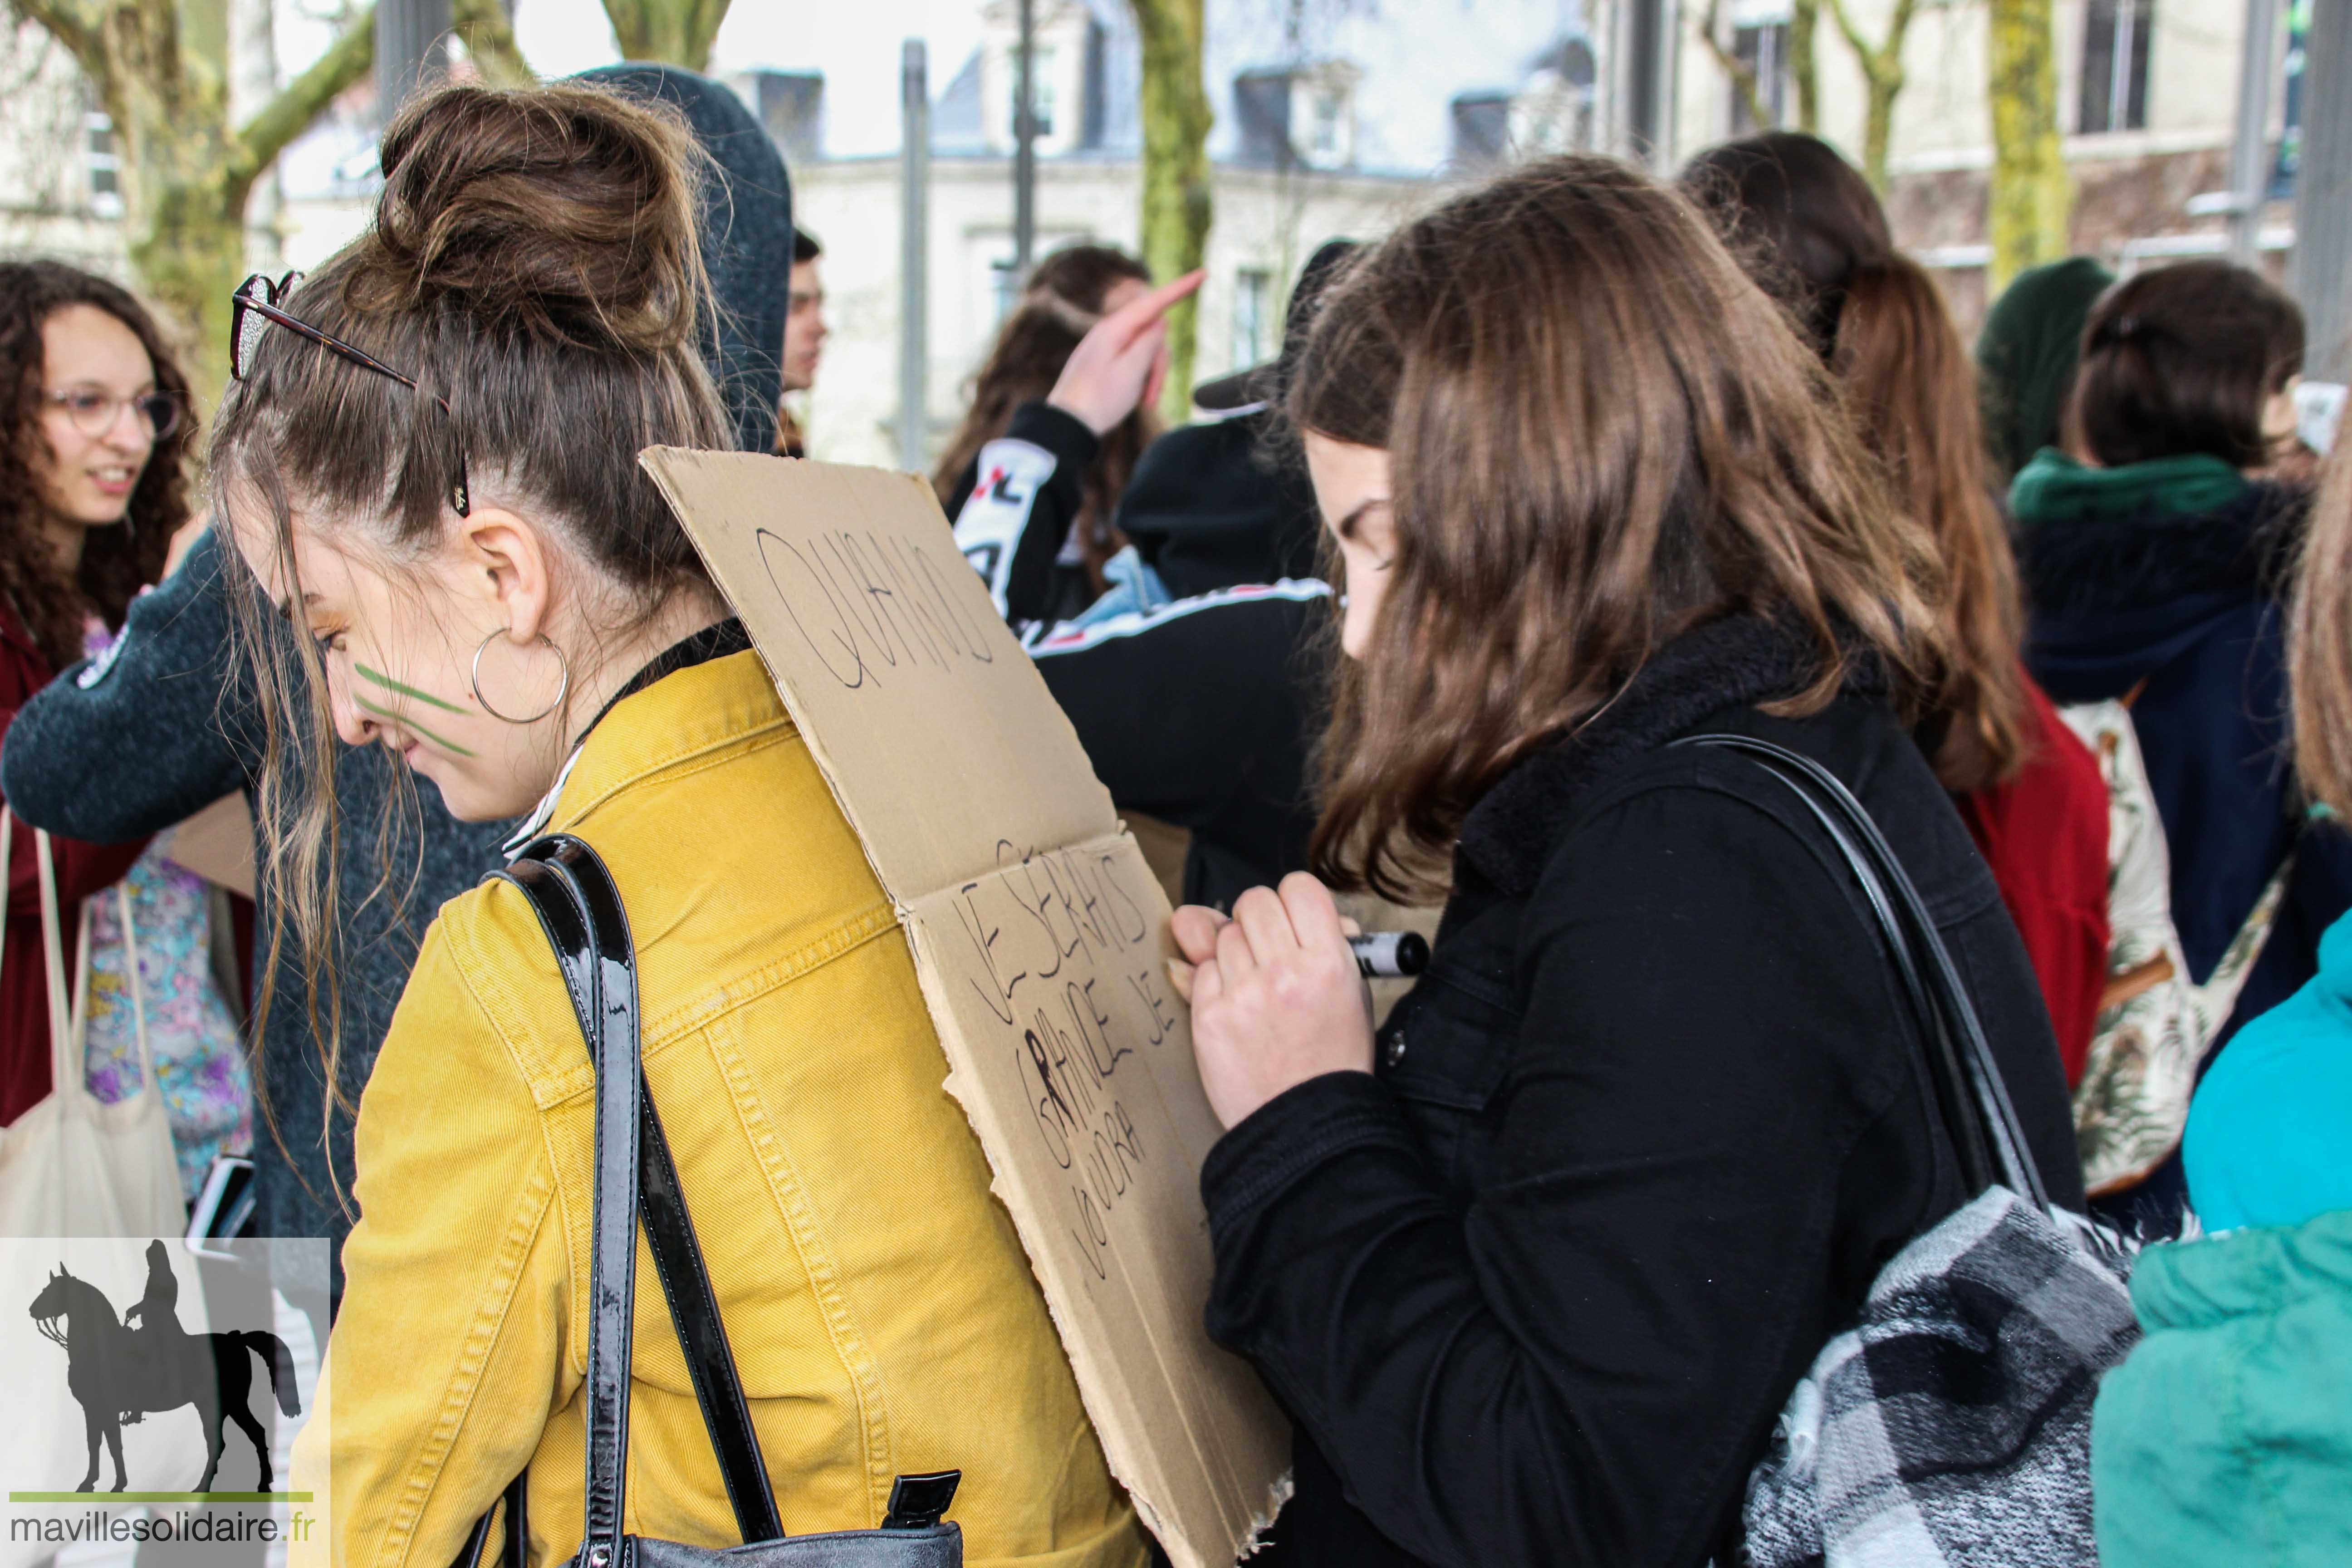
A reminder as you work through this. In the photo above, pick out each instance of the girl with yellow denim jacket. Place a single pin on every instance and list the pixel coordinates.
(428, 459)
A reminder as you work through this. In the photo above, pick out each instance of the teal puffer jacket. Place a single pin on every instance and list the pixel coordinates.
(2227, 1437)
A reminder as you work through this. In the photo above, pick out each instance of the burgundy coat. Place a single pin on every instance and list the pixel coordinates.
(83, 870)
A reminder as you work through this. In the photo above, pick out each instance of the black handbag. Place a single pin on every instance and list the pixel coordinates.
(1951, 1426)
(636, 1180)
(1963, 1076)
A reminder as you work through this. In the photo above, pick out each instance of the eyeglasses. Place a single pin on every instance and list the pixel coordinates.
(94, 411)
(252, 309)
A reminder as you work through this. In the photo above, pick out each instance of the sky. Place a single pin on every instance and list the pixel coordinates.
(855, 44)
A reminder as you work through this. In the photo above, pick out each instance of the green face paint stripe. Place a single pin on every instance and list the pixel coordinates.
(403, 719)
(389, 684)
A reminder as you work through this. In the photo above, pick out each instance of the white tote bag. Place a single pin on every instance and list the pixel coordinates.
(82, 1185)
(73, 1165)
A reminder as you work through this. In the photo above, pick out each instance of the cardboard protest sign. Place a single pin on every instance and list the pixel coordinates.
(1040, 936)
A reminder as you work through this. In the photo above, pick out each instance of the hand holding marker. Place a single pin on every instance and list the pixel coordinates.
(1380, 955)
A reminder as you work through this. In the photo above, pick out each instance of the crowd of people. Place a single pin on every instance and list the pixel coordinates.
(1576, 519)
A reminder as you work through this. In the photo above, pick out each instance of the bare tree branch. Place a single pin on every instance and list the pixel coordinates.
(1742, 75)
(302, 101)
(489, 38)
(1882, 76)
(75, 24)
(1865, 52)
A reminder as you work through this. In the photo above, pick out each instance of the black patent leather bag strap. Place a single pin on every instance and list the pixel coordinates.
(1962, 1072)
(636, 1178)
(516, 1552)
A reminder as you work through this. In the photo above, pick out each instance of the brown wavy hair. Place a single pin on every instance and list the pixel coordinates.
(1602, 435)
(116, 562)
(1809, 230)
(535, 260)
(1065, 298)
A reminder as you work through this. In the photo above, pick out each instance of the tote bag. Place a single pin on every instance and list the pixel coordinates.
(84, 1186)
(73, 1165)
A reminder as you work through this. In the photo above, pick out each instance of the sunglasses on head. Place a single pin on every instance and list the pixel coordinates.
(254, 309)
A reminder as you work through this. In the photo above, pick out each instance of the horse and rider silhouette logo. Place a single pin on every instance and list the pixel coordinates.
(120, 1374)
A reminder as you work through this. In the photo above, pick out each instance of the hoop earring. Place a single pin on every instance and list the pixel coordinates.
(562, 687)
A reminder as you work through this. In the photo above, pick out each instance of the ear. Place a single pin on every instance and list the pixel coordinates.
(508, 561)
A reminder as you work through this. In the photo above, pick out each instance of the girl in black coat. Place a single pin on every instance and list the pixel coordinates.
(1535, 1270)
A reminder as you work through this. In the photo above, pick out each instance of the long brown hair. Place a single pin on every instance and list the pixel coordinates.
(1809, 229)
(2319, 640)
(535, 260)
(1601, 436)
(116, 562)
(1065, 298)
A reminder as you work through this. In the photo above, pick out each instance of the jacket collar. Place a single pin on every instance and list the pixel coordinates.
(704, 697)
(1737, 662)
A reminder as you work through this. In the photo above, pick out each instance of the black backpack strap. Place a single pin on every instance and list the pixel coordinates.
(577, 904)
(1962, 1071)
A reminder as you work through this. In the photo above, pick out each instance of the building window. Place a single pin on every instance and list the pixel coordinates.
(1041, 91)
(2115, 35)
(1482, 128)
(105, 163)
(1253, 321)
(1762, 50)
(1327, 109)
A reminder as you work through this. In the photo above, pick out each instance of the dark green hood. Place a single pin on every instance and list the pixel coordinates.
(2027, 354)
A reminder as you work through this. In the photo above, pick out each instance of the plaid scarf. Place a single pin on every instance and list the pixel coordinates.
(1952, 1426)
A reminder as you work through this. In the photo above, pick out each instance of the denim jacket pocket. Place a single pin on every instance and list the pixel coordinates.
(1446, 1046)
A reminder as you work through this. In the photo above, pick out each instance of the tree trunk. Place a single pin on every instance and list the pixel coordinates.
(490, 42)
(671, 32)
(2030, 196)
(1177, 207)
(1878, 128)
(166, 90)
(1804, 63)
(162, 69)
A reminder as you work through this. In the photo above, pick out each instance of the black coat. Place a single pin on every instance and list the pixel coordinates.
(1535, 1290)
(1198, 713)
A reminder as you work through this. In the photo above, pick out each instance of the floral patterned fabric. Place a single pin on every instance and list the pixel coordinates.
(199, 1057)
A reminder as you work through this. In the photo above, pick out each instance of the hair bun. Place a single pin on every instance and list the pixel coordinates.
(566, 212)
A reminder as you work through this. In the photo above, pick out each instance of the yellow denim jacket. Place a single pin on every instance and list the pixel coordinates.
(882, 1315)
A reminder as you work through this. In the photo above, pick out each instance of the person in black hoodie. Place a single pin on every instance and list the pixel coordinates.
(165, 724)
(1195, 703)
(1535, 1269)
(2157, 563)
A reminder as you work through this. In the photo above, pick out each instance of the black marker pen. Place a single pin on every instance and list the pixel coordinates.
(1387, 954)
